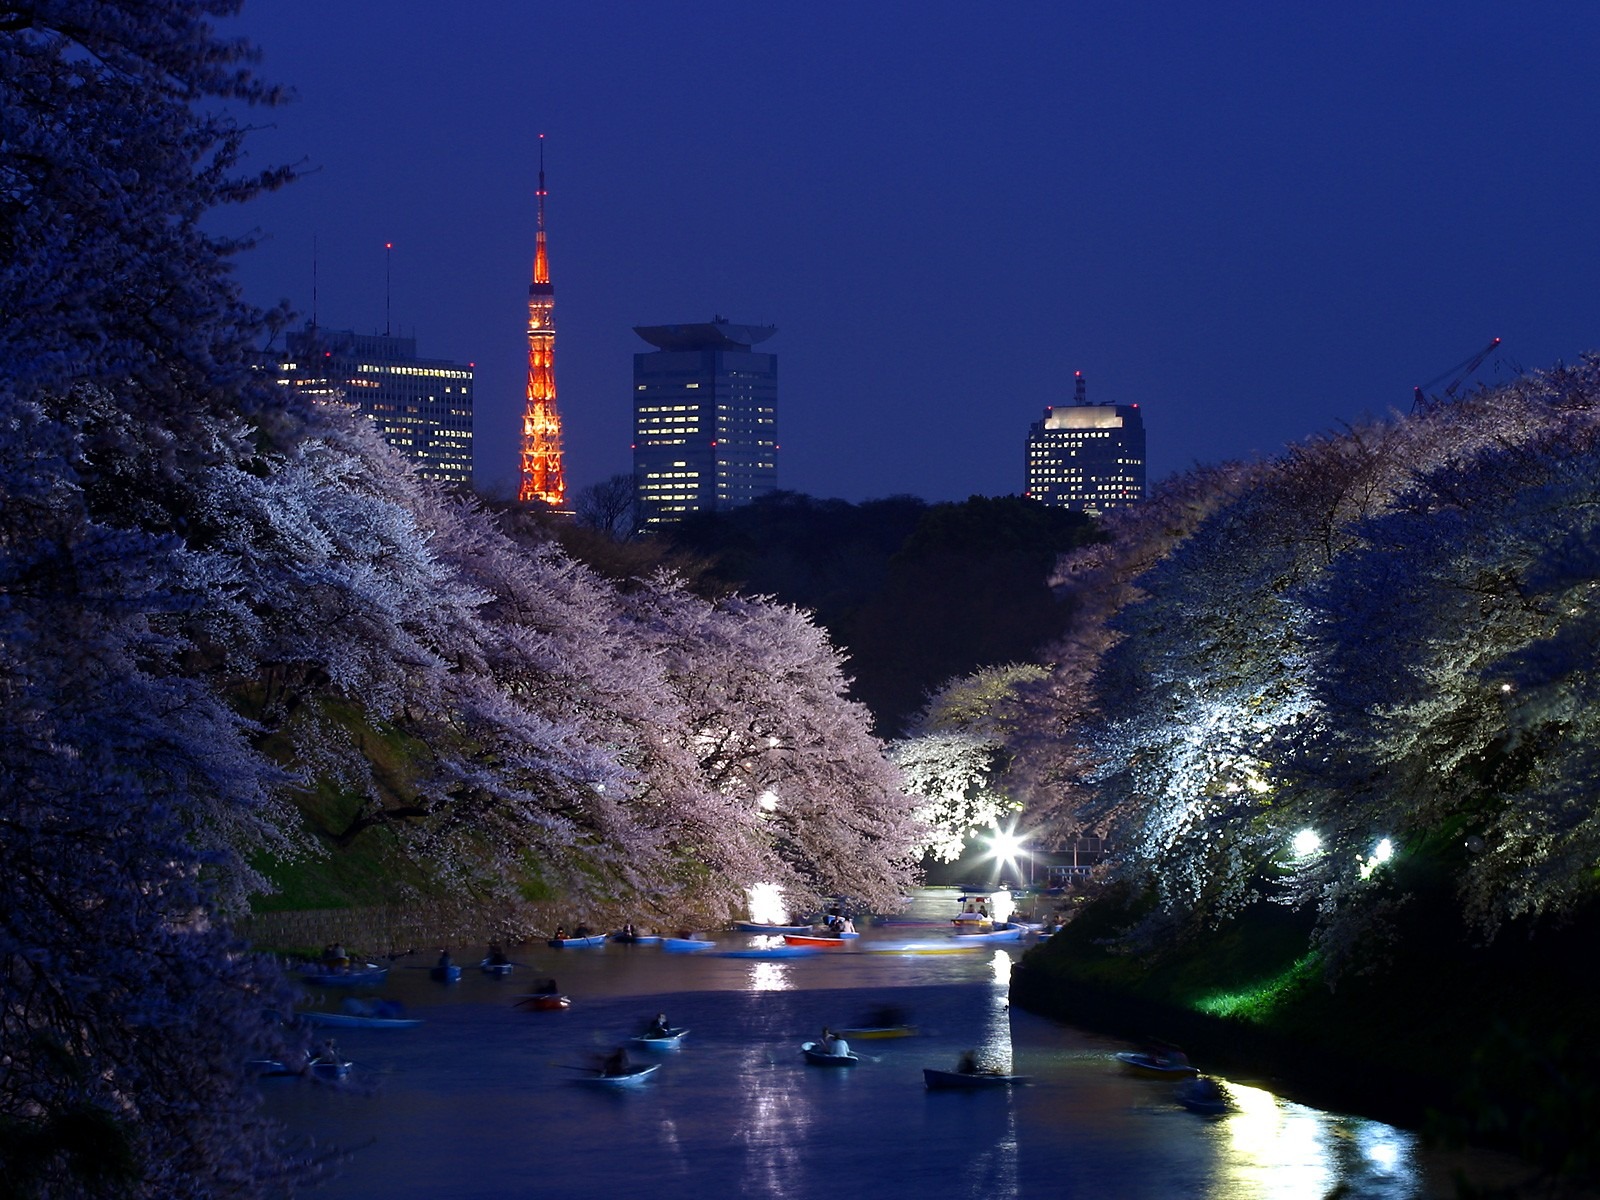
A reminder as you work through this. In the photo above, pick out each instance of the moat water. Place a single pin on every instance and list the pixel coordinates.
(481, 1100)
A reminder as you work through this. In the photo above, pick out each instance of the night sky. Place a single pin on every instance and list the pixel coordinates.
(1256, 221)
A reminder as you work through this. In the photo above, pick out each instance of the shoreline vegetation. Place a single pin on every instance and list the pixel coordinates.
(1467, 1044)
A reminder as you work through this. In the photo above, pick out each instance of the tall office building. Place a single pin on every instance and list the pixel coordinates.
(1088, 457)
(421, 406)
(543, 477)
(704, 419)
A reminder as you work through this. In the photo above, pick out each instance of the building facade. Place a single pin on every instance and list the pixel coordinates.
(421, 406)
(704, 419)
(1087, 457)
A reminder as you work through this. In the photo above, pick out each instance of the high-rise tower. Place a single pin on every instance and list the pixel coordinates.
(1088, 457)
(704, 419)
(421, 406)
(542, 477)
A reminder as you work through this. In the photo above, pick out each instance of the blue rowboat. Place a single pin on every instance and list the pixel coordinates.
(760, 927)
(771, 952)
(450, 973)
(1000, 933)
(1150, 1066)
(819, 1057)
(319, 976)
(358, 1020)
(629, 1077)
(329, 1071)
(567, 943)
(671, 1040)
(685, 945)
(495, 968)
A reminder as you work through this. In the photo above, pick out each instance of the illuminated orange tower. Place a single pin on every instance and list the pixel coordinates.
(542, 477)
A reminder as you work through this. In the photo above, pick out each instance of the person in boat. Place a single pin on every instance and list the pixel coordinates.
(335, 957)
(627, 931)
(885, 1016)
(832, 1043)
(968, 1064)
(329, 1053)
(659, 1027)
(582, 931)
(560, 935)
(496, 956)
(444, 962)
(548, 988)
(846, 925)
(615, 1063)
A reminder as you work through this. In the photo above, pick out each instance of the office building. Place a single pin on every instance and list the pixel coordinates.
(704, 419)
(1088, 457)
(421, 406)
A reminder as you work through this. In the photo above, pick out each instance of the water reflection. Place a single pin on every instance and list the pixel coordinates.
(770, 977)
(773, 1128)
(1278, 1148)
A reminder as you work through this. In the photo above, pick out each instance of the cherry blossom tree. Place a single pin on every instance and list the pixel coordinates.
(130, 793)
(956, 760)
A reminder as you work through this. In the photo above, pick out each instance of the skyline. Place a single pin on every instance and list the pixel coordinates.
(1254, 224)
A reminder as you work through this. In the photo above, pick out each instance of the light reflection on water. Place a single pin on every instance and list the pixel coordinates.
(476, 1101)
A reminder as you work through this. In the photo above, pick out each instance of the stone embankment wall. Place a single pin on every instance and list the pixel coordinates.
(395, 929)
(425, 927)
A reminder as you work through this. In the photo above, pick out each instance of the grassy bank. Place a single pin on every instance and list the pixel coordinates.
(1493, 1044)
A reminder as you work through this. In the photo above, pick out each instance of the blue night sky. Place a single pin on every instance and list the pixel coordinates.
(1256, 221)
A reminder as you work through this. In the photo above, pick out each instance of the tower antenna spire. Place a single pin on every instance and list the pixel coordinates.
(543, 478)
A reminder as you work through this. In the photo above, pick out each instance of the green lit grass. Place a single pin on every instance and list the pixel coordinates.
(1257, 1002)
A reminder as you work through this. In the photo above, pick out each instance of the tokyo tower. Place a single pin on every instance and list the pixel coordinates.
(542, 476)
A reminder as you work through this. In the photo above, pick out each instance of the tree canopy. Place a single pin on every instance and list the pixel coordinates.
(216, 598)
(1382, 638)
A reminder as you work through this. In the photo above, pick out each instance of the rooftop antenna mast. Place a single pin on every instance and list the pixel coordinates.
(388, 252)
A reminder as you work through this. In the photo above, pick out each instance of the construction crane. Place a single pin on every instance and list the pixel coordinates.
(1457, 375)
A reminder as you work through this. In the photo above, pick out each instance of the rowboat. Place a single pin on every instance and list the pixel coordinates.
(671, 1040)
(1204, 1096)
(877, 1032)
(952, 945)
(771, 952)
(495, 968)
(832, 941)
(1000, 933)
(760, 927)
(936, 1080)
(358, 1020)
(320, 976)
(271, 1067)
(448, 973)
(543, 1001)
(817, 1056)
(330, 1071)
(1150, 1066)
(678, 945)
(630, 1076)
(637, 939)
(594, 939)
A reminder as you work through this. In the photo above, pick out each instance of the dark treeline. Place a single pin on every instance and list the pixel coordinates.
(914, 592)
